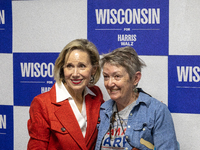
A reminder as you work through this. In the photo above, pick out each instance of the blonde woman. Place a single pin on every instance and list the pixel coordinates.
(66, 116)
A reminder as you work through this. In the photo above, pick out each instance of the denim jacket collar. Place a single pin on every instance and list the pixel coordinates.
(143, 98)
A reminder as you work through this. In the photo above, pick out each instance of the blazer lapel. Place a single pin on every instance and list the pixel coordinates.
(92, 108)
(67, 118)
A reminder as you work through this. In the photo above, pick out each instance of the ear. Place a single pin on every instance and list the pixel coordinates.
(137, 77)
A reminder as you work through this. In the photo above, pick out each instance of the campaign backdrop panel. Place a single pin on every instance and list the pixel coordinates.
(27, 59)
(184, 87)
(5, 26)
(6, 127)
(33, 75)
(141, 24)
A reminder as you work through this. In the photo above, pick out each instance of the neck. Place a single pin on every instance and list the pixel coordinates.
(123, 104)
(77, 96)
(78, 99)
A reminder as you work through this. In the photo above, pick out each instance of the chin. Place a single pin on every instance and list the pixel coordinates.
(114, 98)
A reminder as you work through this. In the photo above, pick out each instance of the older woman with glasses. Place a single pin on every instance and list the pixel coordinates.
(131, 119)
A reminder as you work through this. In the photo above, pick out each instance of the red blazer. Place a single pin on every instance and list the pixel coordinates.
(53, 126)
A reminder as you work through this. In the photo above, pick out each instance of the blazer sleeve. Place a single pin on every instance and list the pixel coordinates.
(38, 125)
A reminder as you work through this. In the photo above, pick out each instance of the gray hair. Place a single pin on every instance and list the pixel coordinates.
(126, 57)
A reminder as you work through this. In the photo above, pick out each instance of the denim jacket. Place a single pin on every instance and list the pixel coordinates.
(149, 126)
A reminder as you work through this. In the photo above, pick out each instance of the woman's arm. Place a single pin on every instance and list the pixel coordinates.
(38, 126)
(164, 132)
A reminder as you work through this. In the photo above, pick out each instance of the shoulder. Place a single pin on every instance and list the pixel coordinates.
(46, 97)
(148, 99)
(97, 91)
(152, 103)
(158, 105)
(107, 104)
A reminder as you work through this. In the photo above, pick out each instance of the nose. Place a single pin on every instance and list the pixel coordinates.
(110, 82)
(75, 72)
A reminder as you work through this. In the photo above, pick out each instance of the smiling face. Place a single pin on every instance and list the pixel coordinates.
(77, 71)
(118, 83)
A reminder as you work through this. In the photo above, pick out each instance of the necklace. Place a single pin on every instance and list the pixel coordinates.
(121, 122)
(112, 120)
(115, 122)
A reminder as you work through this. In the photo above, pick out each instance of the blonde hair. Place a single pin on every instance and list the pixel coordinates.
(81, 44)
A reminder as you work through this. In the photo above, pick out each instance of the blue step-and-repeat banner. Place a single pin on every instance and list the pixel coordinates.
(33, 74)
(6, 112)
(5, 26)
(142, 24)
(183, 84)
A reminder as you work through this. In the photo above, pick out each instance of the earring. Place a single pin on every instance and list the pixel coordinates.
(92, 79)
(135, 89)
